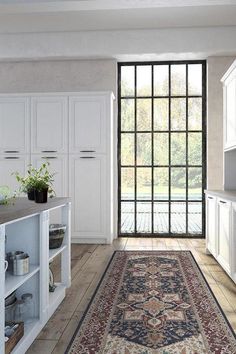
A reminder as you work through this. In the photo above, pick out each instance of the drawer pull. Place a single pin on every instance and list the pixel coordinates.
(222, 202)
(87, 151)
(50, 151)
(209, 197)
(11, 151)
(11, 157)
(87, 157)
(49, 157)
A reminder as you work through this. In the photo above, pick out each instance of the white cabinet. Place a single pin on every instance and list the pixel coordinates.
(14, 125)
(10, 164)
(211, 224)
(89, 193)
(49, 124)
(88, 116)
(59, 166)
(224, 230)
(229, 90)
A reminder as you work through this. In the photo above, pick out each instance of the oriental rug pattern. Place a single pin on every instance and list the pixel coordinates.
(153, 302)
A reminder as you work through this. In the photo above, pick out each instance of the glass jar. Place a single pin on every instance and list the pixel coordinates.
(29, 313)
(19, 311)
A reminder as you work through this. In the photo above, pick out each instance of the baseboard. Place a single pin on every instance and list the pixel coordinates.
(90, 240)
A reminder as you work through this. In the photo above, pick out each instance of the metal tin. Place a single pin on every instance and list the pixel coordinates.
(21, 264)
(10, 258)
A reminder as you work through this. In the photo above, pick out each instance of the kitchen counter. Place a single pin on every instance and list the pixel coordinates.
(226, 194)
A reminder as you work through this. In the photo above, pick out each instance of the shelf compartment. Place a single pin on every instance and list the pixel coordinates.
(56, 297)
(13, 282)
(29, 332)
(55, 252)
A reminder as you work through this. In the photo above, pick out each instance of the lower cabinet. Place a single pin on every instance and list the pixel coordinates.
(221, 232)
(10, 164)
(89, 190)
(224, 231)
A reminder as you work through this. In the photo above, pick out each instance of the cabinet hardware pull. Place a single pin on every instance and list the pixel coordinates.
(11, 157)
(11, 151)
(49, 151)
(87, 151)
(210, 197)
(87, 157)
(221, 201)
(49, 157)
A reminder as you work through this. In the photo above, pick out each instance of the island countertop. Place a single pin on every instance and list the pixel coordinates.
(227, 194)
(22, 207)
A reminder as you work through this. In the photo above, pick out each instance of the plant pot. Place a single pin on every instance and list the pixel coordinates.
(31, 194)
(41, 196)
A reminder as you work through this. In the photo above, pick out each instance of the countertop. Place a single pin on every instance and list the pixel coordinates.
(22, 207)
(227, 194)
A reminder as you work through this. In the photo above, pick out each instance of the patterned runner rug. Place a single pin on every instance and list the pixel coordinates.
(153, 302)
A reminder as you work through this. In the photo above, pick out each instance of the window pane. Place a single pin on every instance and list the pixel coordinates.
(161, 183)
(178, 218)
(144, 114)
(178, 114)
(161, 149)
(194, 79)
(144, 217)
(144, 153)
(194, 183)
(127, 114)
(127, 217)
(144, 80)
(195, 148)
(161, 80)
(178, 80)
(161, 217)
(178, 149)
(161, 114)
(144, 183)
(127, 183)
(194, 113)
(127, 149)
(127, 81)
(195, 218)
(178, 183)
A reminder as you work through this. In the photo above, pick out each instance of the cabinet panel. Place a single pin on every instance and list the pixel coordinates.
(230, 113)
(49, 124)
(88, 191)
(224, 225)
(211, 224)
(14, 123)
(87, 119)
(59, 166)
(10, 164)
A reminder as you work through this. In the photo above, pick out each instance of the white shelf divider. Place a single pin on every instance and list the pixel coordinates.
(55, 252)
(13, 282)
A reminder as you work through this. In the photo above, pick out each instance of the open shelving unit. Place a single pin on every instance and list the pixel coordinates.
(24, 226)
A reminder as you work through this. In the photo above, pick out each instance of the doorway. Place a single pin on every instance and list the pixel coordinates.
(162, 148)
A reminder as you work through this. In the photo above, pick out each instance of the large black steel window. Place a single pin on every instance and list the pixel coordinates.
(162, 157)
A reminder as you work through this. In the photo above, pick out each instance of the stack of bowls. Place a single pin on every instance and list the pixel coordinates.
(10, 303)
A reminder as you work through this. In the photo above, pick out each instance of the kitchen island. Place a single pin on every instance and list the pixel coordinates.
(24, 226)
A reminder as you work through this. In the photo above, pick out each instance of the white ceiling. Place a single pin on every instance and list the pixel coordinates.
(85, 15)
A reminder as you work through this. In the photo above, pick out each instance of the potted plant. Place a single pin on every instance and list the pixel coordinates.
(37, 183)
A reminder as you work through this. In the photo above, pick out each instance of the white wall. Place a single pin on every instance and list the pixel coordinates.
(217, 66)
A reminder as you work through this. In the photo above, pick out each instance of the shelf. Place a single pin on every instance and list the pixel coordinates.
(29, 330)
(13, 282)
(55, 252)
(56, 297)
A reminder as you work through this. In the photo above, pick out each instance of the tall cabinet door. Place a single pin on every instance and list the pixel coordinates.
(88, 190)
(224, 229)
(10, 164)
(58, 164)
(49, 124)
(230, 111)
(211, 224)
(87, 123)
(14, 123)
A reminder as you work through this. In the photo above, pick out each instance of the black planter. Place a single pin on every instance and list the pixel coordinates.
(31, 194)
(41, 196)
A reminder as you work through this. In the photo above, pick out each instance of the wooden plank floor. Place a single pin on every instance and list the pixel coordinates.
(88, 265)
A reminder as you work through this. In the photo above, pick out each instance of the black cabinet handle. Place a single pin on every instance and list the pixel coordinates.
(50, 151)
(222, 202)
(11, 157)
(87, 157)
(11, 151)
(87, 151)
(49, 157)
(210, 197)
